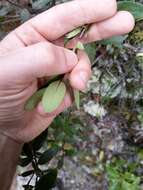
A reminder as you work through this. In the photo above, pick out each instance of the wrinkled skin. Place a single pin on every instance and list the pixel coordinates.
(35, 50)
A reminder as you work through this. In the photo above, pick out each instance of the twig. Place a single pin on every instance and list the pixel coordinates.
(28, 183)
(97, 59)
(129, 46)
(15, 4)
(21, 7)
(53, 3)
(11, 16)
(7, 21)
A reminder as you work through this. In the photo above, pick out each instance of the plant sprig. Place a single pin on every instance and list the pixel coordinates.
(53, 94)
(133, 7)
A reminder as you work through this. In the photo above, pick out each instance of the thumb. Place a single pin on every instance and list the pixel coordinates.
(40, 120)
(42, 59)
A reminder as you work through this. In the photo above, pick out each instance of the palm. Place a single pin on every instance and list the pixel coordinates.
(31, 41)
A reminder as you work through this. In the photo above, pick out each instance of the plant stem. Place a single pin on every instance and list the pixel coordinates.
(15, 4)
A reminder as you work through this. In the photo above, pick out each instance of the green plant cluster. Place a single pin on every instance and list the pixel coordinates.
(121, 175)
(123, 81)
(49, 150)
(64, 135)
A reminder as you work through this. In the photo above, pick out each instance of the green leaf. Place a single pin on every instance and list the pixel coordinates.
(115, 185)
(27, 173)
(133, 7)
(77, 98)
(26, 150)
(27, 187)
(140, 154)
(112, 172)
(116, 41)
(47, 181)
(71, 152)
(73, 33)
(128, 186)
(79, 46)
(53, 96)
(91, 51)
(34, 100)
(25, 161)
(48, 155)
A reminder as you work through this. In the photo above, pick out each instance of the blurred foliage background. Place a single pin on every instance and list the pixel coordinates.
(100, 146)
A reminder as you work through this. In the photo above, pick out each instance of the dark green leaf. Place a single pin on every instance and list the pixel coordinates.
(34, 100)
(2, 18)
(53, 96)
(91, 51)
(133, 7)
(47, 181)
(27, 187)
(34, 165)
(116, 41)
(60, 136)
(25, 161)
(27, 150)
(112, 172)
(48, 155)
(27, 173)
(71, 152)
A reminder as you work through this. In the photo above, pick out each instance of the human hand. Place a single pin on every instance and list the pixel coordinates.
(35, 50)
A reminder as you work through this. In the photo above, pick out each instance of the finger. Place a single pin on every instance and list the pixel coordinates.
(59, 20)
(65, 17)
(81, 73)
(122, 23)
(42, 59)
(41, 120)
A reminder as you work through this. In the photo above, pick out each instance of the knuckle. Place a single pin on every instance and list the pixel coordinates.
(82, 12)
(47, 53)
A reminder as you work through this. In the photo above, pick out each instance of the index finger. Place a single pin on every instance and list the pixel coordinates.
(63, 18)
(57, 21)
